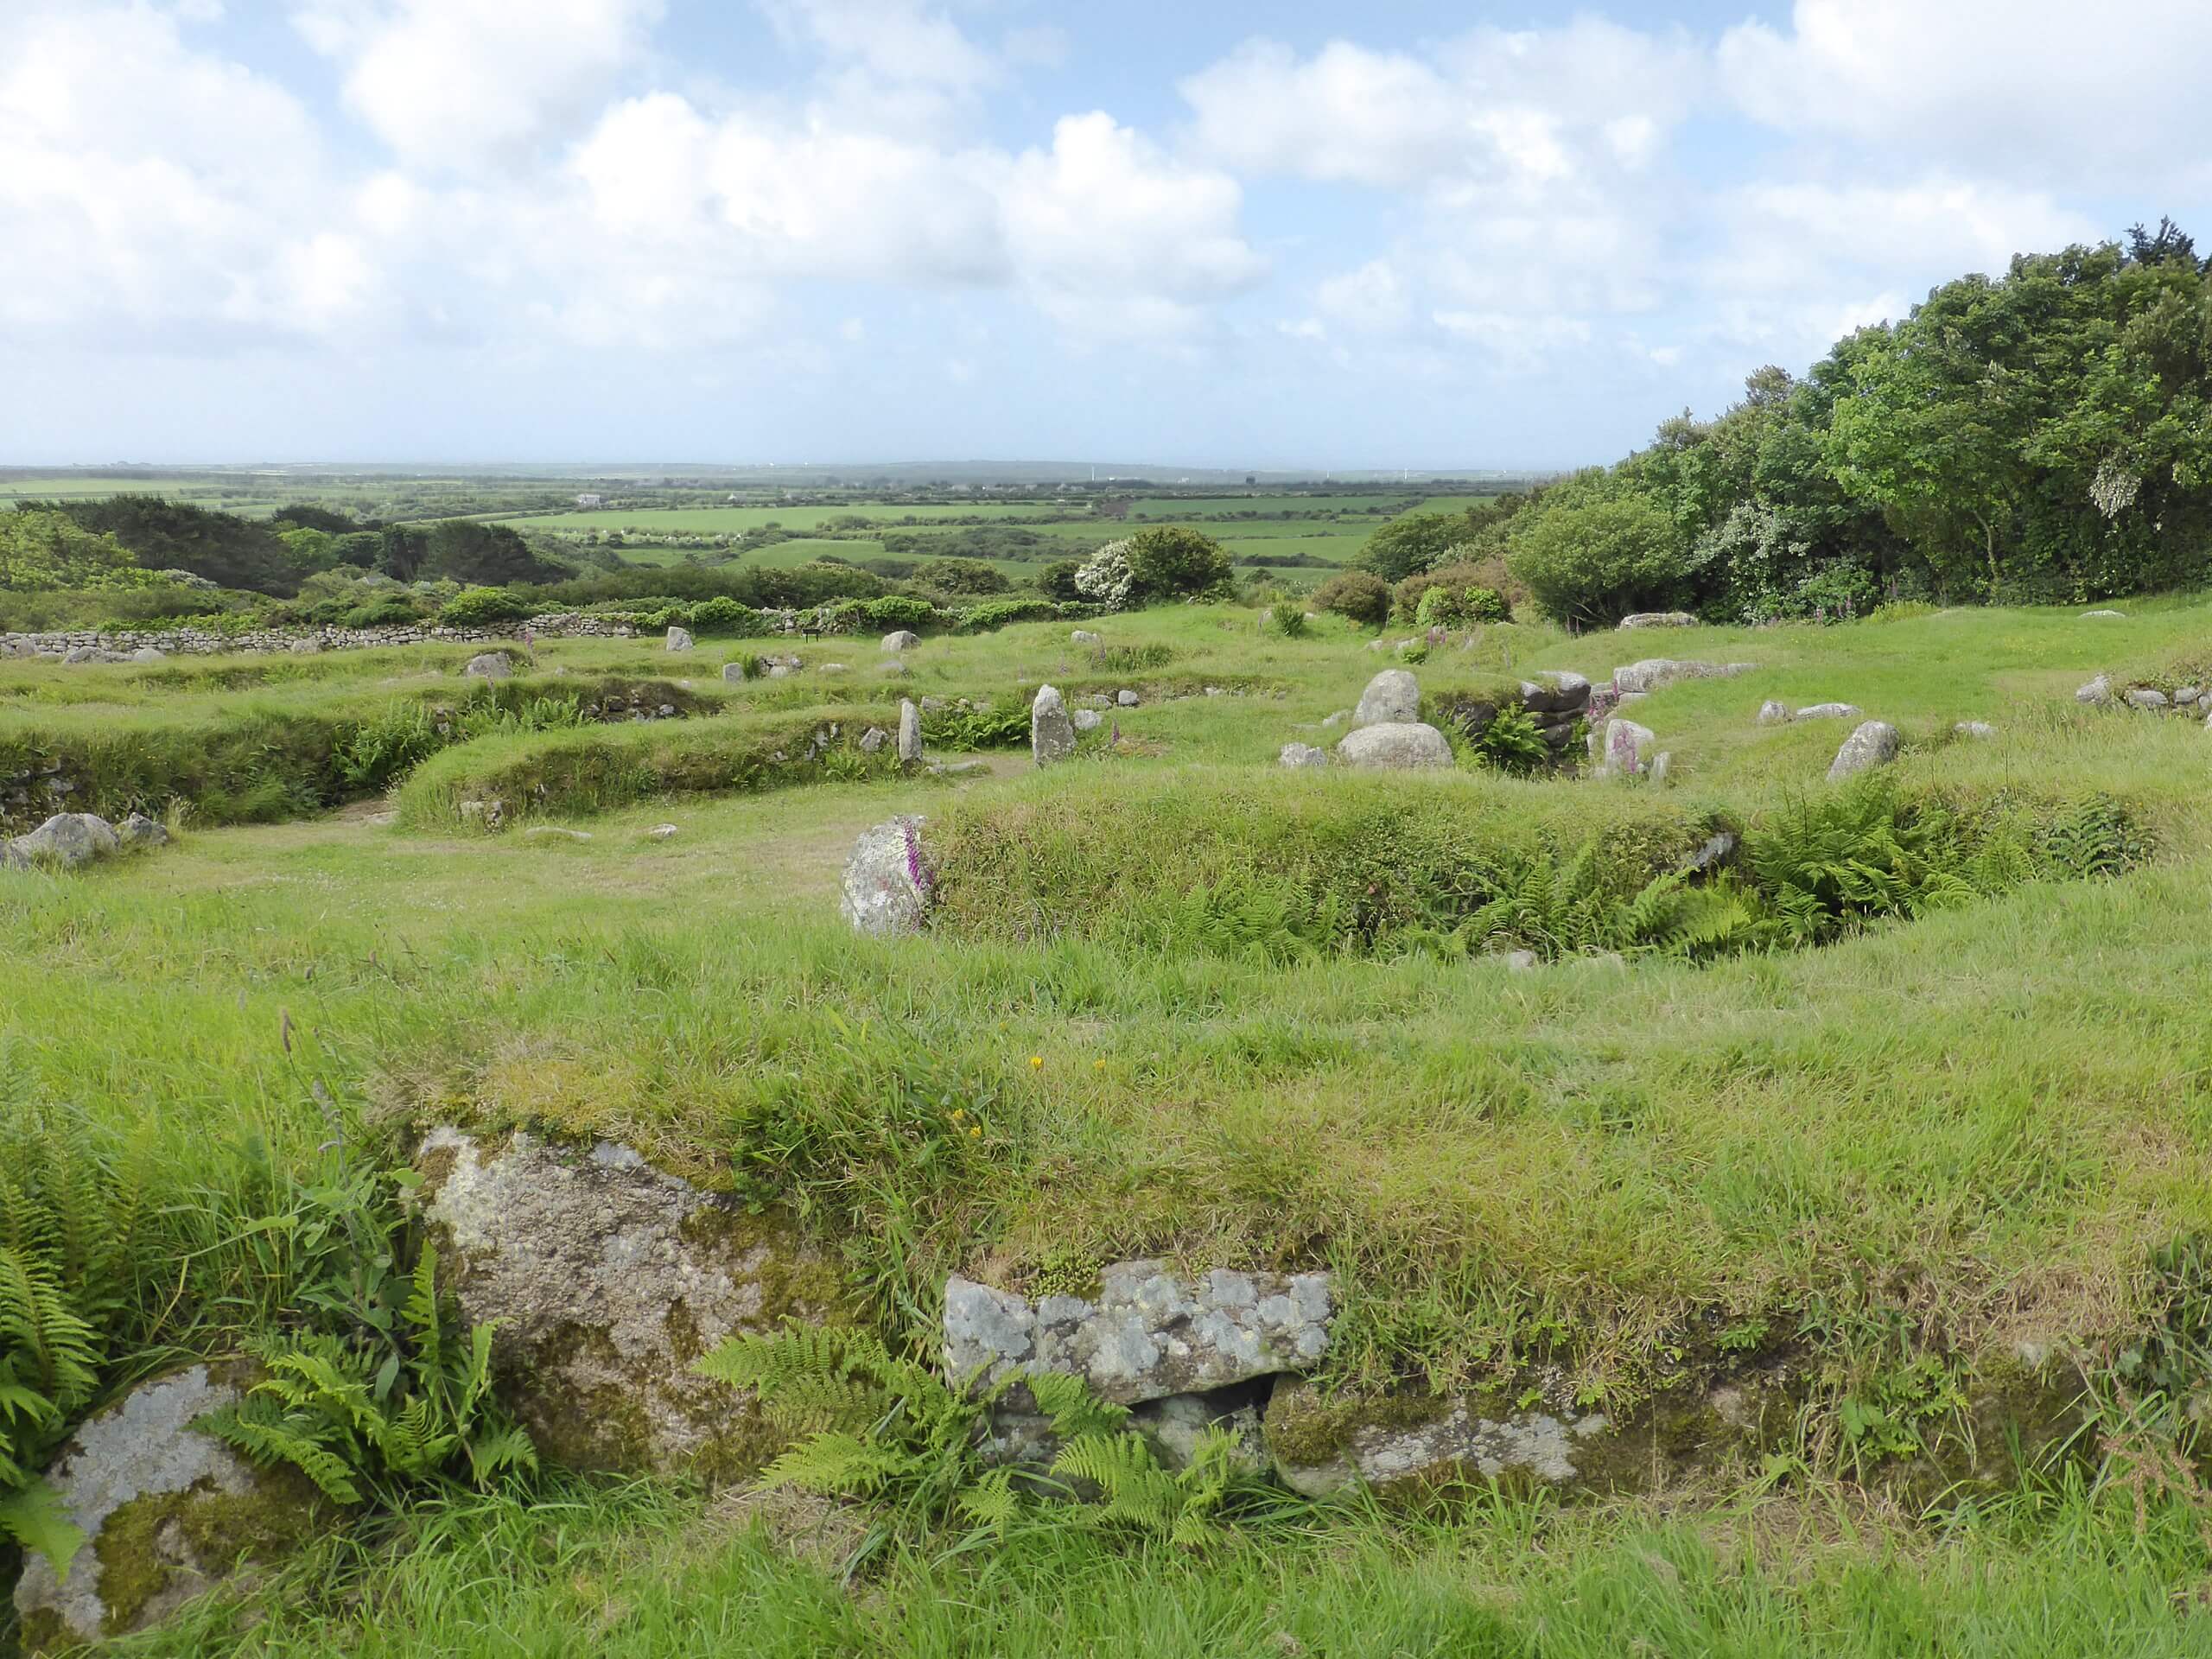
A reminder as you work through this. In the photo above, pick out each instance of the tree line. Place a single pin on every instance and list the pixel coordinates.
(2041, 437)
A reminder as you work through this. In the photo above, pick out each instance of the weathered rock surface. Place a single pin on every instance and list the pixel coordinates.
(1555, 691)
(1626, 745)
(2144, 696)
(886, 888)
(1659, 619)
(873, 740)
(902, 639)
(70, 840)
(1829, 711)
(1303, 754)
(1148, 1333)
(2097, 690)
(1874, 744)
(1455, 1443)
(909, 733)
(1052, 733)
(1392, 698)
(138, 832)
(1976, 729)
(168, 1512)
(1082, 637)
(1087, 719)
(734, 671)
(1772, 713)
(1125, 698)
(490, 665)
(2085, 615)
(1654, 673)
(607, 1279)
(679, 639)
(1401, 745)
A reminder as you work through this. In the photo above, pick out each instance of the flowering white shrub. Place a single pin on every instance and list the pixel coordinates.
(1108, 578)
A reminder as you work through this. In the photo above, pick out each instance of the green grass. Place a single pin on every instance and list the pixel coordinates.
(1939, 1138)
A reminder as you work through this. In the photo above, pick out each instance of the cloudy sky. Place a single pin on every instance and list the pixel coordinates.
(1404, 232)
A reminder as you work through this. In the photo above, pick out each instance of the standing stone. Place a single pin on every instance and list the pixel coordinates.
(1303, 754)
(1625, 743)
(903, 639)
(887, 887)
(1774, 713)
(1660, 762)
(1396, 746)
(1052, 733)
(909, 733)
(1392, 697)
(1874, 744)
(733, 672)
(679, 639)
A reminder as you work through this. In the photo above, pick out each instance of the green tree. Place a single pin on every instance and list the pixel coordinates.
(1411, 543)
(1593, 560)
(1173, 561)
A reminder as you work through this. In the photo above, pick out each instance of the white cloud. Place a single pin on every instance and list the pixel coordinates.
(149, 190)
(459, 85)
(2016, 88)
(1372, 300)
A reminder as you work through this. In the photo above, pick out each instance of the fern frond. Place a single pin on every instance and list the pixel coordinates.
(991, 1501)
(34, 1518)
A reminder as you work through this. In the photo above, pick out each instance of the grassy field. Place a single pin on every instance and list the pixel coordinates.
(1909, 1152)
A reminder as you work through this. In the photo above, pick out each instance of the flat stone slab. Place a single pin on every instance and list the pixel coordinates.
(1148, 1333)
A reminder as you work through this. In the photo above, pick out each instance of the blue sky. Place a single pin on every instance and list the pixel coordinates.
(1291, 236)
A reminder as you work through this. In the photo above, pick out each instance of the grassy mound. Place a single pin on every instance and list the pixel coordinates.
(576, 773)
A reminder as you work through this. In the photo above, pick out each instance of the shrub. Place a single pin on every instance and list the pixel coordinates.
(1287, 619)
(1109, 578)
(1172, 562)
(484, 608)
(1595, 562)
(389, 612)
(961, 576)
(726, 616)
(1057, 580)
(982, 618)
(1469, 591)
(1358, 594)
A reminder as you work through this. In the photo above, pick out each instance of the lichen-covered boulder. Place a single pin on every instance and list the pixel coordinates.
(1555, 691)
(490, 665)
(70, 839)
(138, 831)
(1829, 711)
(2145, 697)
(1087, 719)
(1052, 733)
(1974, 728)
(1319, 1449)
(1874, 744)
(2098, 690)
(1302, 754)
(1659, 619)
(1148, 1332)
(1773, 713)
(887, 887)
(12, 860)
(679, 639)
(607, 1279)
(733, 672)
(1082, 637)
(903, 639)
(1656, 673)
(1398, 745)
(1392, 697)
(168, 1512)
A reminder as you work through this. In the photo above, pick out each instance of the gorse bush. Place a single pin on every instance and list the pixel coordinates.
(1358, 596)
